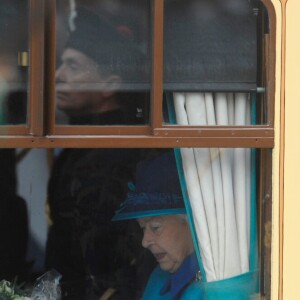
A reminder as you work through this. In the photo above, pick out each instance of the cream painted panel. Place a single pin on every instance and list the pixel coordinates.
(275, 190)
(291, 262)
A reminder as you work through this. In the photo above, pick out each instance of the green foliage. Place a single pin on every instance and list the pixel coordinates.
(10, 291)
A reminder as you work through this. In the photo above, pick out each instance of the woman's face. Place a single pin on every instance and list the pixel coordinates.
(168, 238)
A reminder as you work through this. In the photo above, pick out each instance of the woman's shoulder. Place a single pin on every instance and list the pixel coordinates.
(157, 277)
(156, 281)
(154, 285)
(193, 291)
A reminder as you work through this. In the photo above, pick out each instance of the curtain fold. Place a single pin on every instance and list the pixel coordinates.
(218, 183)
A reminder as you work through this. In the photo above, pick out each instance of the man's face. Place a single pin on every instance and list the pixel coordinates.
(74, 88)
(169, 240)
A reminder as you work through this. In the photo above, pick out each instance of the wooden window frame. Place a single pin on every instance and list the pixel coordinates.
(42, 132)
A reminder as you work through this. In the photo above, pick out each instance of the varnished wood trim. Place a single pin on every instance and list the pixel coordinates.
(216, 131)
(270, 63)
(133, 142)
(172, 131)
(14, 130)
(36, 74)
(103, 130)
(50, 55)
(157, 63)
(282, 145)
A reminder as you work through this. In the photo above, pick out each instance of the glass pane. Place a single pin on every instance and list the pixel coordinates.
(103, 51)
(211, 109)
(212, 55)
(97, 200)
(13, 62)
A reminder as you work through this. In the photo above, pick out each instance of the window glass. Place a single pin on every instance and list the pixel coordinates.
(14, 62)
(109, 227)
(107, 223)
(211, 51)
(102, 71)
(211, 109)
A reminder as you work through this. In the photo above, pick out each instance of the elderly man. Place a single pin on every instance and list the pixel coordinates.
(158, 206)
(97, 66)
(87, 185)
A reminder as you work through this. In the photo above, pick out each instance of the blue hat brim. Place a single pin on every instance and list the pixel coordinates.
(119, 216)
(141, 205)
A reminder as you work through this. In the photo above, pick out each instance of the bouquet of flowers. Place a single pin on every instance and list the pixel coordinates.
(46, 287)
(9, 291)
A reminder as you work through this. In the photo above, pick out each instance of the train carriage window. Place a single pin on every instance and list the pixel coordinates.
(211, 51)
(111, 81)
(139, 58)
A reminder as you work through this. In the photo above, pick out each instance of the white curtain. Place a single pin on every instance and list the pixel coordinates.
(218, 183)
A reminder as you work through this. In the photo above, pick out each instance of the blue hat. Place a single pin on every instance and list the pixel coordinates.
(158, 190)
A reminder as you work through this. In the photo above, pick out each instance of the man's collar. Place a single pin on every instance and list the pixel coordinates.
(114, 117)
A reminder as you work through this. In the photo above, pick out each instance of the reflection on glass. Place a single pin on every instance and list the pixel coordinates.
(210, 57)
(13, 62)
(210, 109)
(106, 219)
(102, 75)
(213, 192)
(222, 193)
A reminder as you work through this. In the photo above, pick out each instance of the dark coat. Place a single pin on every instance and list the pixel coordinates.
(84, 245)
(13, 222)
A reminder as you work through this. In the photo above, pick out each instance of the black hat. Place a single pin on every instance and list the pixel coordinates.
(94, 36)
(158, 190)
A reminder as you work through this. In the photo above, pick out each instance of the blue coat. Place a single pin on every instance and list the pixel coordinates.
(181, 285)
(240, 287)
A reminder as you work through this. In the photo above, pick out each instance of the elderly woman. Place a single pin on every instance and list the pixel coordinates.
(158, 206)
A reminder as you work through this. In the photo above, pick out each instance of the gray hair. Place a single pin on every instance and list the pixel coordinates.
(183, 217)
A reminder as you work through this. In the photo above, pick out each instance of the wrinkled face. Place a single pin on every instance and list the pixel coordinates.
(74, 78)
(168, 238)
